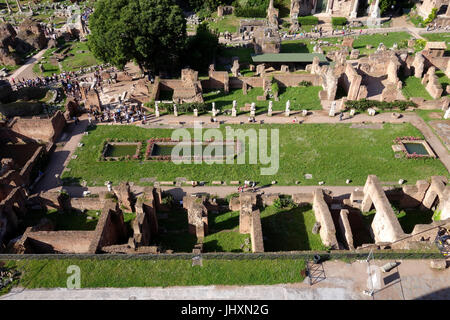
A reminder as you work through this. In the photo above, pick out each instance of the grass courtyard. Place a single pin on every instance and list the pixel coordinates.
(289, 229)
(120, 273)
(413, 87)
(300, 98)
(78, 57)
(361, 41)
(330, 152)
(408, 218)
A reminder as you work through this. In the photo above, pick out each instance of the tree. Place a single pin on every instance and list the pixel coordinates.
(201, 48)
(150, 32)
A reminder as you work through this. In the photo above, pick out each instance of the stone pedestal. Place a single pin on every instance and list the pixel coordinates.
(233, 112)
(195, 113)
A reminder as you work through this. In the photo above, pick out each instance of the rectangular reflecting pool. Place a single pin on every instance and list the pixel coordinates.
(220, 149)
(417, 148)
(117, 150)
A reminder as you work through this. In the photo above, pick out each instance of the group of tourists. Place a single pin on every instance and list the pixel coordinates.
(247, 185)
(121, 114)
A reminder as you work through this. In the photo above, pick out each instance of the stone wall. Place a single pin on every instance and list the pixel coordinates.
(197, 215)
(345, 229)
(351, 82)
(57, 241)
(413, 195)
(12, 208)
(435, 192)
(256, 232)
(110, 228)
(385, 226)
(145, 226)
(323, 216)
(47, 130)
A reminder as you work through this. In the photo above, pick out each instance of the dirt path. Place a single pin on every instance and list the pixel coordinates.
(412, 279)
(26, 71)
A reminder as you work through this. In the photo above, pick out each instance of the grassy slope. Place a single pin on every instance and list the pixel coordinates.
(332, 153)
(153, 273)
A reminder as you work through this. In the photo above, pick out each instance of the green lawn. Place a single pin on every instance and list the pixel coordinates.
(82, 57)
(119, 273)
(9, 68)
(330, 152)
(375, 39)
(408, 218)
(443, 80)
(289, 229)
(228, 23)
(173, 233)
(49, 68)
(300, 98)
(305, 45)
(223, 233)
(445, 36)
(413, 87)
(244, 54)
(73, 220)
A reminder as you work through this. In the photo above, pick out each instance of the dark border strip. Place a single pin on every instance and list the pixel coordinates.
(390, 255)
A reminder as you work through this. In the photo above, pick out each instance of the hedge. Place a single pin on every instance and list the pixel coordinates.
(308, 20)
(185, 107)
(338, 21)
(250, 12)
(307, 255)
(364, 104)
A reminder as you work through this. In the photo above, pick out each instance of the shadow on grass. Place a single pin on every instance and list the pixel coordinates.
(287, 230)
(294, 47)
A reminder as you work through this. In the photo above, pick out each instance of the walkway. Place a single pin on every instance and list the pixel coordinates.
(26, 71)
(61, 157)
(412, 279)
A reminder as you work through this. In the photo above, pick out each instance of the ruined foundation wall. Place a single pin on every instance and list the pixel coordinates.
(385, 225)
(256, 232)
(110, 228)
(323, 216)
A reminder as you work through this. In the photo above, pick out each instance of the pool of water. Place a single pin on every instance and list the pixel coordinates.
(166, 150)
(120, 150)
(417, 148)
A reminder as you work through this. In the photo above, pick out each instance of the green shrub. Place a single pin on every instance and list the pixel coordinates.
(275, 88)
(167, 199)
(230, 196)
(363, 105)
(338, 21)
(305, 83)
(186, 107)
(308, 20)
(283, 202)
(431, 16)
(419, 45)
